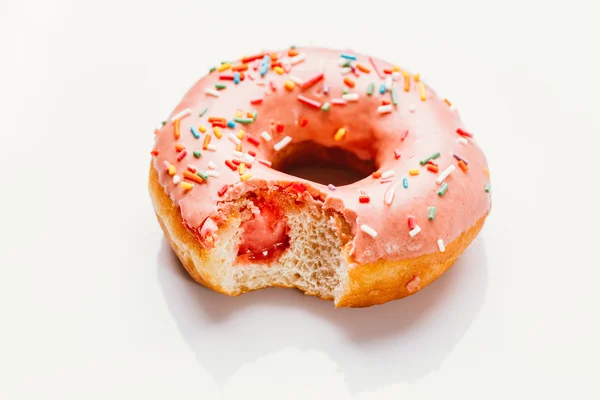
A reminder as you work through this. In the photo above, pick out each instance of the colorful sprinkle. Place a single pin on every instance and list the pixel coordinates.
(176, 129)
(370, 89)
(443, 189)
(176, 179)
(406, 81)
(413, 232)
(297, 59)
(211, 92)
(217, 132)
(464, 167)
(202, 128)
(220, 86)
(432, 213)
(385, 109)
(388, 197)
(311, 82)
(349, 82)
(388, 174)
(212, 173)
(368, 230)
(394, 96)
(462, 141)
(459, 158)
(325, 106)
(282, 143)
(339, 134)
(192, 177)
(397, 154)
(195, 132)
(462, 132)
(441, 246)
(405, 183)
(265, 135)
(181, 155)
(431, 157)
(171, 169)
(364, 198)
(308, 101)
(257, 100)
(279, 70)
(224, 67)
(338, 102)
(223, 190)
(244, 121)
(245, 177)
(445, 174)
(202, 175)
(181, 114)
(488, 187)
(289, 85)
(382, 88)
(187, 186)
(412, 222)
(413, 172)
(362, 68)
(433, 168)
(350, 97)
(206, 142)
(422, 91)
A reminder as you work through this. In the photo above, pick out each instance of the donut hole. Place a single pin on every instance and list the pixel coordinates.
(314, 162)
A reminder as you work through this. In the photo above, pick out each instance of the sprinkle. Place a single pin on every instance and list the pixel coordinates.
(462, 141)
(257, 100)
(224, 67)
(226, 77)
(230, 124)
(462, 132)
(242, 168)
(297, 59)
(222, 191)
(244, 121)
(280, 127)
(388, 83)
(303, 122)
(405, 183)
(331, 187)
(385, 109)
(375, 67)
(195, 132)
(206, 142)
(422, 91)
(344, 63)
(241, 67)
(459, 158)
(312, 81)
(382, 88)
(211, 147)
(154, 153)
(362, 68)
(413, 232)
(431, 157)
(252, 140)
(249, 159)
(445, 174)
(394, 96)
(265, 163)
(406, 81)
(363, 198)
(181, 154)
(488, 187)
(413, 285)
(397, 154)
(196, 154)
(265, 135)
(413, 172)
(176, 129)
(443, 189)
(212, 165)
(179, 147)
(181, 114)
(412, 222)
(417, 77)
(388, 198)
(388, 174)
(486, 172)
(211, 92)
(213, 69)
(370, 88)
(279, 70)
(368, 230)
(338, 102)
(217, 132)
(245, 177)
(310, 102)
(404, 135)
(325, 106)
(345, 70)
(282, 143)
(192, 177)
(376, 175)
(202, 128)
(433, 168)
(441, 246)
(202, 175)
(231, 165)
(176, 179)
(348, 56)
(187, 186)
(220, 86)
(432, 213)
(234, 138)
(464, 167)
(349, 82)
(350, 97)
(339, 134)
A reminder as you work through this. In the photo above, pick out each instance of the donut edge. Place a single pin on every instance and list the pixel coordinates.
(365, 285)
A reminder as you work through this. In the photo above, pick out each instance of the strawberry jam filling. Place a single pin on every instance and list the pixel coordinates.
(264, 235)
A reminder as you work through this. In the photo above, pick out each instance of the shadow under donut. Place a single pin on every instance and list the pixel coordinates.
(400, 341)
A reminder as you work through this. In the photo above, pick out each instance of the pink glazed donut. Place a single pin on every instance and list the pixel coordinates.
(239, 223)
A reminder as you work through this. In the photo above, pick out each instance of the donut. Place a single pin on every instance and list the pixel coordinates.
(238, 222)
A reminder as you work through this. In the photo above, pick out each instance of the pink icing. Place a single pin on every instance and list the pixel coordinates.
(431, 127)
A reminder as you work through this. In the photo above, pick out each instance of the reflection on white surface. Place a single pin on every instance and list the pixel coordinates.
(400, 341)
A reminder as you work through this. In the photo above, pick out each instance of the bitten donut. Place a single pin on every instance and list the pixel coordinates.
(238, 223)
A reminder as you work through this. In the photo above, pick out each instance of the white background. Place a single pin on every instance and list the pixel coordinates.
(93, 304)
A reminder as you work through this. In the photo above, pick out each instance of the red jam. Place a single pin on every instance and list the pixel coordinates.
(265, 235)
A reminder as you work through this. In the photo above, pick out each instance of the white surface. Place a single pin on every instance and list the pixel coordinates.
(93, 304)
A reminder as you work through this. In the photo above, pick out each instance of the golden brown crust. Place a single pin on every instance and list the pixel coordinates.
(368, 284)
(382, 281)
